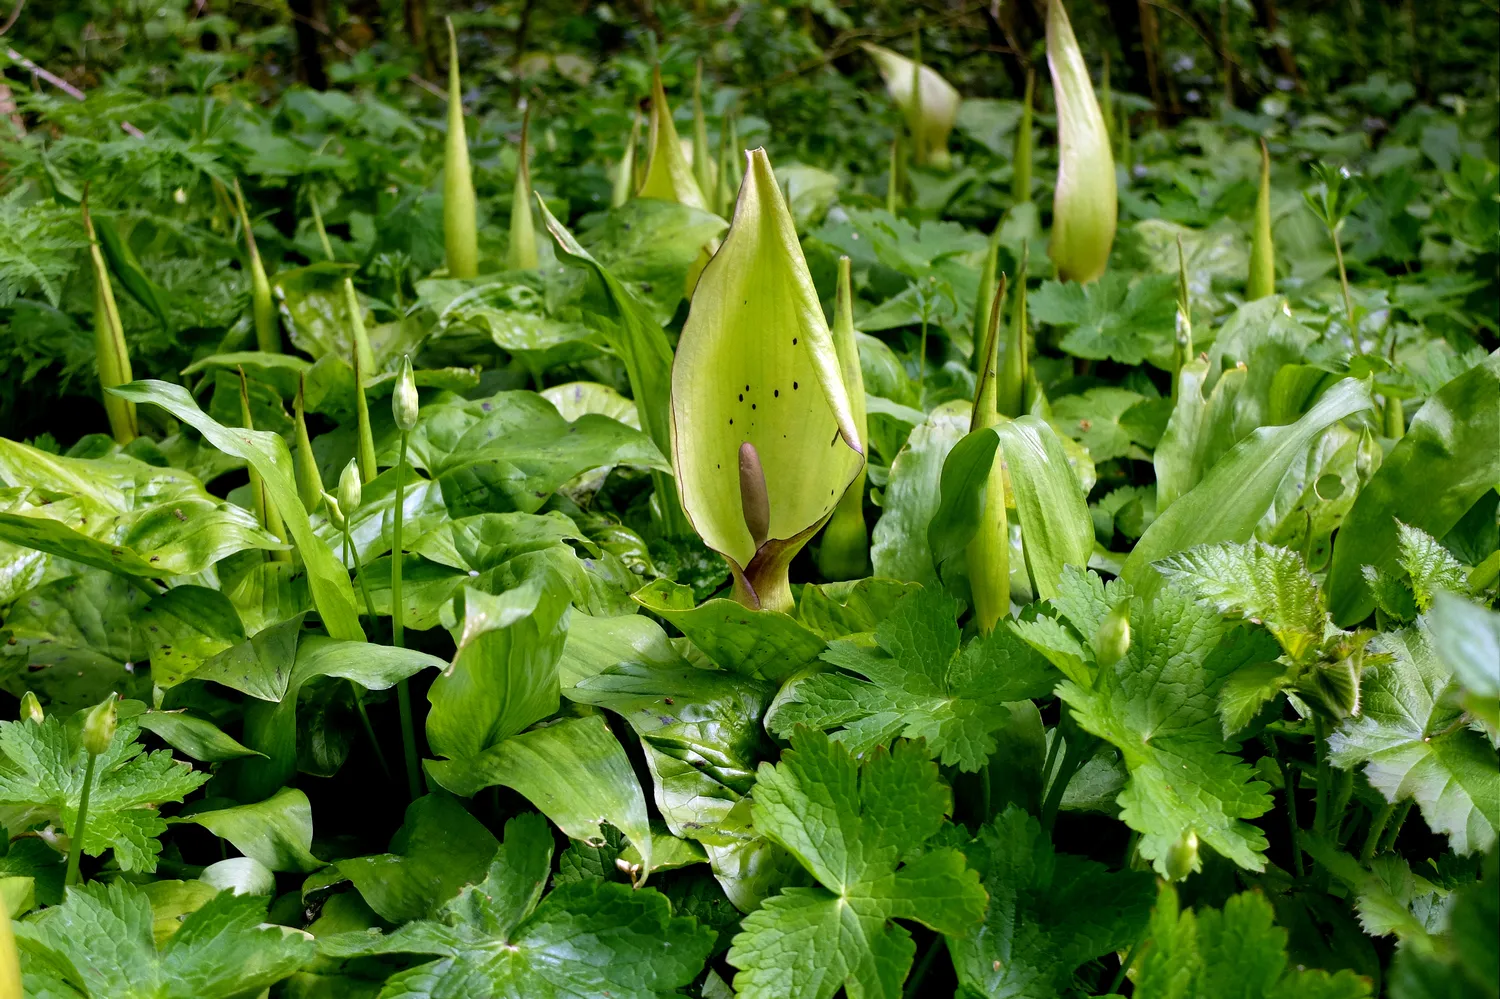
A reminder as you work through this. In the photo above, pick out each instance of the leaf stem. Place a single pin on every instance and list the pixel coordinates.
(1378, 823)
(1289, 782)
(398, 630)
(1394, 832)
(1321, 809)
(352, 554)
(914, 983)
(1075, 754)
(1128, 963)
(75, 847)
(1338, 254)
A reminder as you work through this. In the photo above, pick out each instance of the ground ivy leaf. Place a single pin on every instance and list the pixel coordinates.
(918, 684)
(1413, 744)
(1158, 705)
(1235, 953)
(851, 825)
(1048, 912)
(98, 944)
(42, 773)
(501, 937)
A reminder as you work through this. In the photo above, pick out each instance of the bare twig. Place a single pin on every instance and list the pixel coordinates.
(15, 13)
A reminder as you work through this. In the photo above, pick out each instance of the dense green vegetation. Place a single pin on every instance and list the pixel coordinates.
(774, 499)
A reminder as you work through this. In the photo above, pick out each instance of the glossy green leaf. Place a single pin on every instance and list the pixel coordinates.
(277, 832)
(757, 644)
(197, 737)
(1431, 478)
(268, 454)
(573, 770)
(1241, 486)
(504, 673)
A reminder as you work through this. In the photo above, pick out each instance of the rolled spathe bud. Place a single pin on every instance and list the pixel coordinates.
(99, 725)
(1262, 280)
(31, 708)
(927, 101)
(669, 176)
(460, 226)
(1085, 202)
(404, 401)
(1112, 640)
(764, 441)
(351, 489)
(1182, 857)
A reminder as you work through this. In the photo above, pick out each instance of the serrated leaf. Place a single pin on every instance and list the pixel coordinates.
(1265, 584)
(503, 938)
(1413, 744)
(1428, 565)
(860, 830)
(98, 944)
(1158, 706)
(42, 774)
(1112, 317)
(917, 684)
(1048, 912)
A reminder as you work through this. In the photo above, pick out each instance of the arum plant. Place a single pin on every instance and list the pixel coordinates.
(360, 354)
(309, 479)
(404, 405)
(669, 177)
(1262, 280)
(1085, 201)
(625, 174)
(98, 732)
(265, 509)
(522, 252)
(726, 173)
(460, 227)
(928, 102)
(262, 308)
(845, 553)
(1011, 395)
(703, 164)
(1020, 183)
(893, 177)
(988, 552)
(764, 440)
(110, 353)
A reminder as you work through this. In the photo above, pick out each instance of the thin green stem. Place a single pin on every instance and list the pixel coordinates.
(1338, 254)
(1127, 964)
(351, 555)
(922, 365)
(1378, 823)
(1389, 843)
(398, 629)
(985, 804)
(1321, 810)
(1075, 754)
(914, 983)
(75, 847)
(1289, 782)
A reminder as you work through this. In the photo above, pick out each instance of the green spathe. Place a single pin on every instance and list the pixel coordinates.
(757, 367)
(460, 233)
(1262, 281)
(669, 176)
(1085, 203)
(927, 101)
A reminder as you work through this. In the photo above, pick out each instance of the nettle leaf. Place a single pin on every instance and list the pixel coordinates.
(1428, 565)
(918, 684)
(99, 945)
(42, 773)
(1413, 742)
(585, 939)
(1048, 912)
(1159, 706)
(1235, 951)
(1112, 317)
(860, 829)
(1257, 581)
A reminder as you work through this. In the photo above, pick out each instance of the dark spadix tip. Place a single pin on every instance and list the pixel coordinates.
(753, 499)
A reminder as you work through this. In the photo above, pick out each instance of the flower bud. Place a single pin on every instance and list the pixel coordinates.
(351, 489)
(332, 509)
(1112, 640)
(928, 102)
(1182, 857)
(99, 726)
(404, 402)
(31, 708)
(1085, 202)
